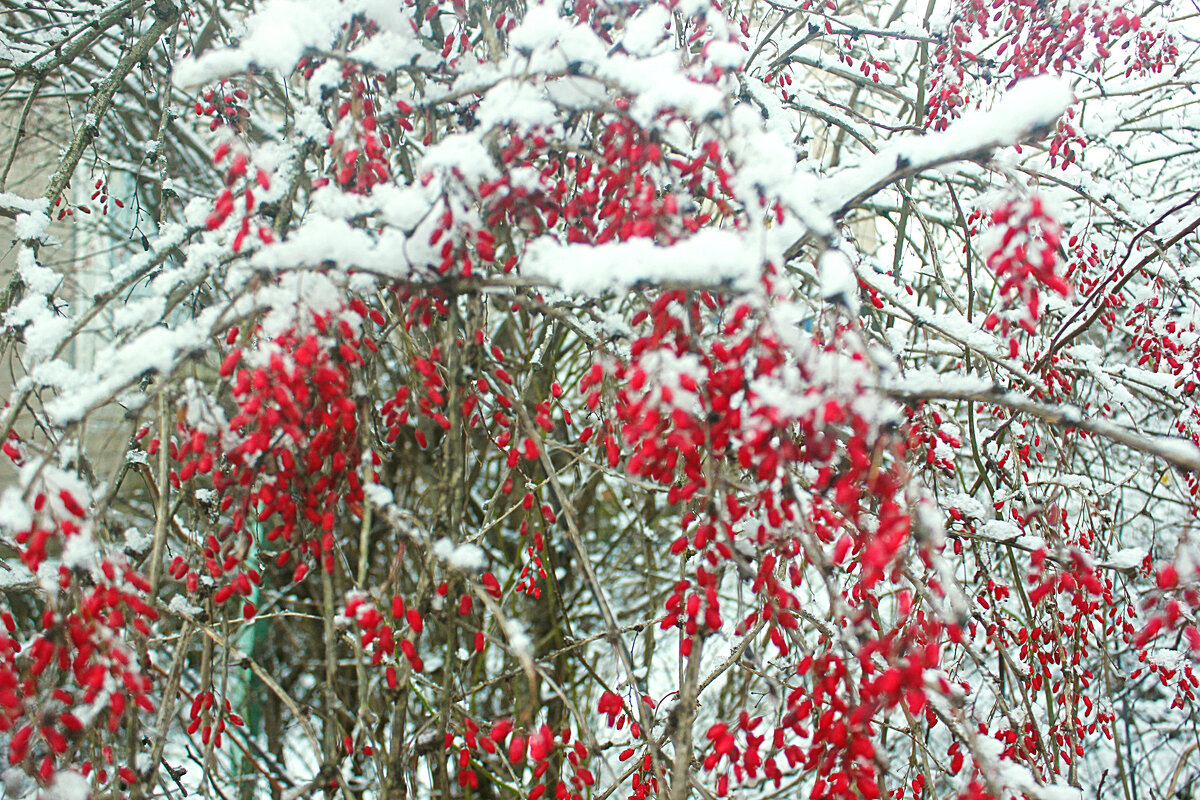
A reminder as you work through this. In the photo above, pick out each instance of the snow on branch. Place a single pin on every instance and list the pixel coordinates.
(276, 37)
(1175, 451)
(1028, 111)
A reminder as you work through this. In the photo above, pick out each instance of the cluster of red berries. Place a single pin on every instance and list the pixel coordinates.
(615, 197)
(287, 460)
(357, 147)
(1039, 37)
(643, 780)
(238, 191)
(936, 435)
(225, 105)
(99, 195)
(1024, 258)
(687, 413)
(80, 655)
(378, 637)
(209, 717)
(536, 751)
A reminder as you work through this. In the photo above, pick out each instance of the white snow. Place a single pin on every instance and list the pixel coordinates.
(180, 606)
(710, 256)
(14, 511)
(14, 574)
(519, 102)
(377, 495)
(137, 541)
(1127, 558)
(276, 37)
(32, 225)
(835, 271)
(16, 202)
(79, 552)
(518, 639)
(466, 557)
(646, 30)
(1001, 530)
(68, 785)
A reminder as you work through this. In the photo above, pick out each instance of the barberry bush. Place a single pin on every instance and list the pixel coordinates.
(661, 399)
